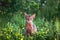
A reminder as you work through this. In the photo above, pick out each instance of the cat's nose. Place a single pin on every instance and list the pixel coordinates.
(28, 19)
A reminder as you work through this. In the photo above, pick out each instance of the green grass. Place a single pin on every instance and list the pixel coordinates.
(15, 30)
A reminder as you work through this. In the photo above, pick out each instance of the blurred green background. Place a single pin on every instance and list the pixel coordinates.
(12, 19)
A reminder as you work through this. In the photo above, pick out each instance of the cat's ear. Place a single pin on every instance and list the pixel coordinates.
(33, 16)
(25, 14)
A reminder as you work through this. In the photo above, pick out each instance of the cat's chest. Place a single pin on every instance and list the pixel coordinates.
(30, 26)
